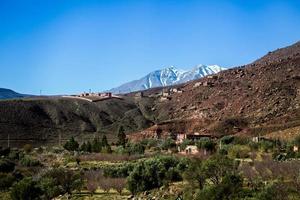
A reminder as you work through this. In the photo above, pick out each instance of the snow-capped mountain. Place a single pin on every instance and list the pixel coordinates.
(167, 76)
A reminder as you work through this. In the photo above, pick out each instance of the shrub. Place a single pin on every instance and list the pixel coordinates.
(153, 173)
(150, 143)
(134, 148)
(185, 143)
(239, 151)
(228, 189)
(49, 187)
(4, 152)
(6, 181)
(206, 143)
(25, 189)
(168, 144)
(96, 146)
(120, 171)
(227, 139)
(266, 145)
(121, 137)
(6, 166)
(28, 161)
(71, 145)
(66, 179)
(14, 155)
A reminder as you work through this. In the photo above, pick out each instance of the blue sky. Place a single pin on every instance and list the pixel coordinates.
(70, 46)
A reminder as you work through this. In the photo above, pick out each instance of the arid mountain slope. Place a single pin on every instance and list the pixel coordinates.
(41, 120)
(258, 98)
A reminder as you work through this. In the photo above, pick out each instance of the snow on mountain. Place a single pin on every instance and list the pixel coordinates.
(167, 76)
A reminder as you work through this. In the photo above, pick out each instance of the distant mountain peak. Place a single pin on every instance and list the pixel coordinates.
(10, 94)
(167, 76)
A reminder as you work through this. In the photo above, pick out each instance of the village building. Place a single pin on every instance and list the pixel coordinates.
(295, 148)
(191, 149)
(193, 137)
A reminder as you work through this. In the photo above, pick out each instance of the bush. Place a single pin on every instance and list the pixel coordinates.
(122, 140)
(49, 187)
(6, 166)
(168, 144)
(266, 145)
(228, 189)
(206, 143)
(239, 151)
(120, 171)
(227, 139)
(153, 173)
(96, 146)
(134, 148)
(71, 145)
(6, 181)
(4, 152)
(26, 189)
(150, 143)
(185, 143)
(67, 180)
(28, 161)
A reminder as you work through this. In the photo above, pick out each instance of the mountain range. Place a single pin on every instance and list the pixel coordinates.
(166, 77)
(10, 94)
(260, 98)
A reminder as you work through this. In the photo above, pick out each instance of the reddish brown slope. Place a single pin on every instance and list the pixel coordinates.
(265, 94)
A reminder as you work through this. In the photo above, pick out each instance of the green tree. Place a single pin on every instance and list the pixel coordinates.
(194, 174)
(88, 147)
(207, 144)
(71, 145)
(230, 188)
(67, 180)
(96, 145)
(104, 141)
(49, 187)
(83, 147)
(106, 148)
(26, 189)
(135, 148)
(121, 137)
(153, 173)
(6, 180)
(217, 167)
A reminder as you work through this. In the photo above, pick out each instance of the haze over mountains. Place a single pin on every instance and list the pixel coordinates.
(166, 77)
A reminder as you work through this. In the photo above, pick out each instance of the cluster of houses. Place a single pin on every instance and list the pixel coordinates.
(209, 82)
(190, 149)
(93, 96)
(98, 94)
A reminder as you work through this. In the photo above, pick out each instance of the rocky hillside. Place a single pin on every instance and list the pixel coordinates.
(258, 98)
(40, 120)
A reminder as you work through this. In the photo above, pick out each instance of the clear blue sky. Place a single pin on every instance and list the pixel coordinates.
(69, 46)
